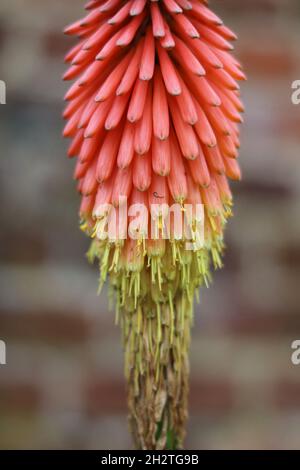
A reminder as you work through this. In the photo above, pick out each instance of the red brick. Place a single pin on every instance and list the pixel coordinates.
(249, 6)
(104, 396)
(273, 62)
(211, 396)
(254, 323)
(30, 248)
(287, 395)
(55, 44)
(19, 397)
(46, 326)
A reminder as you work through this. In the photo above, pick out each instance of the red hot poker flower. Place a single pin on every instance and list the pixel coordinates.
(153, 116)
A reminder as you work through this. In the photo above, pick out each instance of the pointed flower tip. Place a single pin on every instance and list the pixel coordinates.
(68, 30)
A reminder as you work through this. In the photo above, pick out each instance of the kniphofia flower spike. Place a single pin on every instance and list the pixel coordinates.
(154, 116)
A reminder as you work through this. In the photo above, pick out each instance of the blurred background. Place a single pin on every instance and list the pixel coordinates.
(63, 384)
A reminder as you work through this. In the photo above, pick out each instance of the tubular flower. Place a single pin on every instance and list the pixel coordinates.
(153, 116)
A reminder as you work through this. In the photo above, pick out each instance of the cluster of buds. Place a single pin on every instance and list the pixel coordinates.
(154, 116)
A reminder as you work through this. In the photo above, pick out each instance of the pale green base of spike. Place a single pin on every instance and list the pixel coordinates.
(154, 295)
(154, 307)
(157, 369)
(156, 279)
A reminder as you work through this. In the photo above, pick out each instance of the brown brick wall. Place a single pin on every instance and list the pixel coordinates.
(63, 384)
